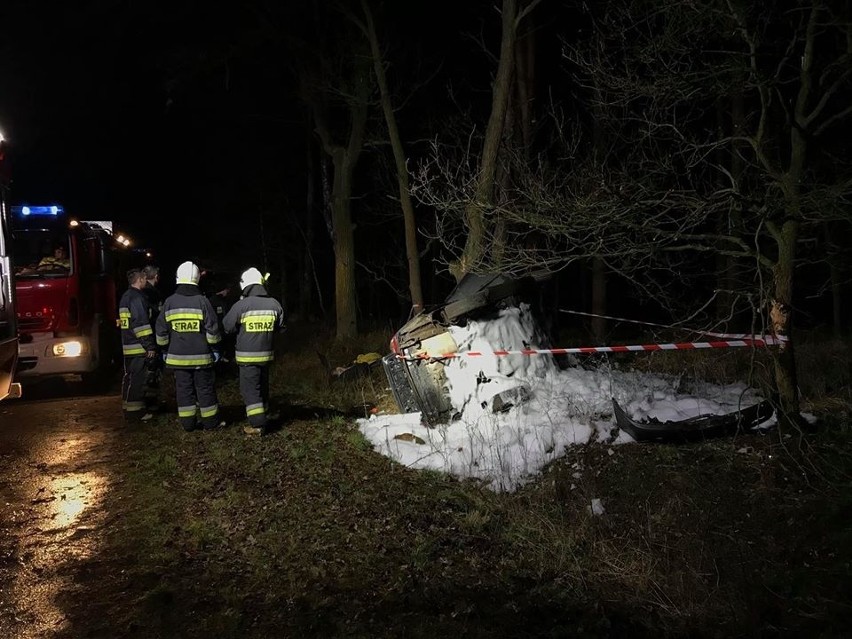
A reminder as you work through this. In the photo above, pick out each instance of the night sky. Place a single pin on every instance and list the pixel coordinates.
(168, 117)
(184, 123)
(135, 113)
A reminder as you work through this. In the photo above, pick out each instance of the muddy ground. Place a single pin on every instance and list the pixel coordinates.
(57, 453)
(110, 532)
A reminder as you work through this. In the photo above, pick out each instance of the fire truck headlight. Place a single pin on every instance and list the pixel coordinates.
(68, 349)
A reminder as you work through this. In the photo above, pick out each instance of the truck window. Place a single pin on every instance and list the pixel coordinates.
(39, 252)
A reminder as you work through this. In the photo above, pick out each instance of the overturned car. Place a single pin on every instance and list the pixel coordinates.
(485, 349)
(416, 368)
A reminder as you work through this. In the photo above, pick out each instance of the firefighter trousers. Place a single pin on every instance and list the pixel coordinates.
(195, 392)
(133, 387)
(254, 388)
(153, 378)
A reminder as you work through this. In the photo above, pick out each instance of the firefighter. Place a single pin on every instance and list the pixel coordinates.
(137, 344)
(187, 328)
(255, 319)
(221, 301)
(154, 372)
(59, 259)
(152, 279)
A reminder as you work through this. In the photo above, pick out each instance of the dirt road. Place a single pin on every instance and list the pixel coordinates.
(56, 452)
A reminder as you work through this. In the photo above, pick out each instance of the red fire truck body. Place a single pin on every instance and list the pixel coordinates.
(9, 388)
(66, 304)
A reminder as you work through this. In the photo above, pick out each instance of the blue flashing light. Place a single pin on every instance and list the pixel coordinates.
(52, 210)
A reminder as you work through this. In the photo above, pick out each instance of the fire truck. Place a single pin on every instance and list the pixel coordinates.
(8, 324)
(65, 287)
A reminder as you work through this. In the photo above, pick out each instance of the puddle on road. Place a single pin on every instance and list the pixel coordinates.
(68, 493)
(72, 494)
(61, 499)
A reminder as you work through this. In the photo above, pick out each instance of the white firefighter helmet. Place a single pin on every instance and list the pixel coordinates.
(251, 276)
(188, 273)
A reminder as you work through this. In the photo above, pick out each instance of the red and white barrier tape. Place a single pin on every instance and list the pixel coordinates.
(753, 341)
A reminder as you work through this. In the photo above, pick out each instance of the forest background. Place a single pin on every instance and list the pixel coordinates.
(676, 162)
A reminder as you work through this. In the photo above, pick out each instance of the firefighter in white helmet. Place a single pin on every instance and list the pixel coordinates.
(188, 329)
(255, 319)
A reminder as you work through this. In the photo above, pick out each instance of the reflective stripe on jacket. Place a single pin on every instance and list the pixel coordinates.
(137, 336)
(188, 328)
(255, 319)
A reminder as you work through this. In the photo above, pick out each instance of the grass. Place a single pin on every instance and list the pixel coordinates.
(309, 533)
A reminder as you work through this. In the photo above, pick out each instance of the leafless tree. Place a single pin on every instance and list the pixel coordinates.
(336, 85)
(672, 186)
(478, 234)
(791, 67)
(414, 282)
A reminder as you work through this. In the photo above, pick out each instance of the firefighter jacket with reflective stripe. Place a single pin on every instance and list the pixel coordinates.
(137, 336)
(255, 319)
(51, 261)
(188, 329)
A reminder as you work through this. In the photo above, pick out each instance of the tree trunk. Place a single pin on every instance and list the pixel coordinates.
(415, 287)
(502, 184)
(306, 269)
(525, 83)
(344, 248)
(598, 266)
(781, 314)
(724, 262)
(835, 281)
(344, 160)
(788, 235)
(474, 248)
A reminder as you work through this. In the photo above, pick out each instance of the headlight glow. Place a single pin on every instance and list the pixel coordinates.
(68, 349)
